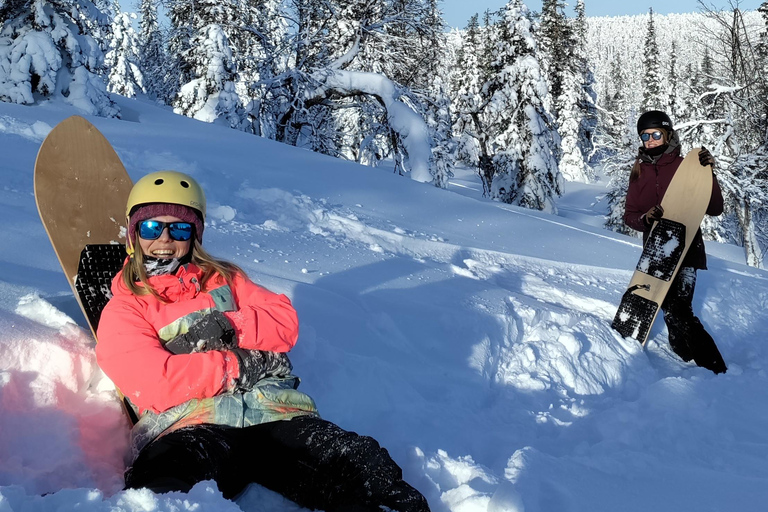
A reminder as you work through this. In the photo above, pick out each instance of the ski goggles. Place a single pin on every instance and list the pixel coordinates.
(645, 137)
(152, 229)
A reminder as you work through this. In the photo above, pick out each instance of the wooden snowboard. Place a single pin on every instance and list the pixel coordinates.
(685, 203)
(81, 189)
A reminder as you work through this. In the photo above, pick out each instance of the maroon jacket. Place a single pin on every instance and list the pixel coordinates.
(648, 190)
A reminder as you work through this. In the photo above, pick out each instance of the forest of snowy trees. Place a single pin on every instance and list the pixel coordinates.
(530, 100)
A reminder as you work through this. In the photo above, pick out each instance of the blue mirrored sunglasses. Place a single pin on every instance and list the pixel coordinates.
(646, 136)
(152, 229)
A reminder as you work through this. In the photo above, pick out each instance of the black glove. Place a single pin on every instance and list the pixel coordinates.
(211, 332)
(258, 364)
(654, 214)
(706, 158)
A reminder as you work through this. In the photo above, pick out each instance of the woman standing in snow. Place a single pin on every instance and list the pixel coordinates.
(657, 161)
(200, 352)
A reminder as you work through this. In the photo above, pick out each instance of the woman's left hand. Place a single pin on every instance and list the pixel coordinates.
(706, 158)
(259, 364)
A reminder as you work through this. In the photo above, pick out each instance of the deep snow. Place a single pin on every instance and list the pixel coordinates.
(471, 338)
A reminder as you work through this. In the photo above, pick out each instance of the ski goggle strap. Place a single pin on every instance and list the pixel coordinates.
(657, 135)
(152, 229)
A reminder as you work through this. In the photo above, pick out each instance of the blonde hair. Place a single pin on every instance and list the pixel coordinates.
(134, 272)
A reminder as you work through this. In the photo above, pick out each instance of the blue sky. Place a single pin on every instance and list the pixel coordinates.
(457, 12)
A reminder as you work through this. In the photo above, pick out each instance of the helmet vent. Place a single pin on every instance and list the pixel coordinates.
(159, 181)
(184, 184)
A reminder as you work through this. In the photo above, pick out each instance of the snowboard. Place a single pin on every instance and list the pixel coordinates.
(685, 203)
(81, 189)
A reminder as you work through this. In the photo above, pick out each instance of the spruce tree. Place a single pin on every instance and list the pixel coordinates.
(212, 95)
(443, 146)
(653, 96)
(556, 40)
(122, 60)
(575, 106)
(588, 98)
(263, 56)
(52, 49)
(204, 62)
(467, 92)
(618, 161)
(178, 70)
(151, 52)
(522, 142)
(677, 108)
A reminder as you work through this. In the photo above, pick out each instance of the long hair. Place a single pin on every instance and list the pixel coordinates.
(636, 169)
(134, 272)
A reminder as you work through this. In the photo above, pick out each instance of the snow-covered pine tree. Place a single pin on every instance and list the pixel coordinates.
(522, 141)
(475, 140)
(207, 68)
(572, 162)
(438, 117)
(212, 96)
(51, 49)
(677, 108)
(264, 55)
(556, 40)
(619, 159)
(466, 92)
(616, 145)
(588, 99)
(436, 99)
(151, 52)
(122, 60)
(430, 67)
(345, 53)
(575, 107)
(653, 89)
(614, 102)
(178, 69)
(490, 42)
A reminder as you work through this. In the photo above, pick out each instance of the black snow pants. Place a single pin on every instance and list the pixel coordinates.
(308, 460)
(687, 336)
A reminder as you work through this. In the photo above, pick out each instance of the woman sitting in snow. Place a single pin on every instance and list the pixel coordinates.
(200, 352)
(657, 161)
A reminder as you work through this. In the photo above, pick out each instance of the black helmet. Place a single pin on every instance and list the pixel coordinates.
(654, 119)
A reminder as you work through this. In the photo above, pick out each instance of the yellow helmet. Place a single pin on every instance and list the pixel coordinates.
(167, 187)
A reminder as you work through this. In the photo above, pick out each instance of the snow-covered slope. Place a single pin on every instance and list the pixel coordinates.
(471, 338)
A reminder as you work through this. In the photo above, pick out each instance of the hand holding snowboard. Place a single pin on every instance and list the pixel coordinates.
(706, 158)
(653, 215)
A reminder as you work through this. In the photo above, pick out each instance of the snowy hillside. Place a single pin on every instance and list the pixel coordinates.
(471, 338)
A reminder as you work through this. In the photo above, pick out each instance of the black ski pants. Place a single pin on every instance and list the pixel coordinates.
(308, 460)
(687, 336)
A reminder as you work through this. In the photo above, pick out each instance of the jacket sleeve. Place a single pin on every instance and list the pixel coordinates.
(715, 206)
(264, 320)
(130, 353)
(633, 211)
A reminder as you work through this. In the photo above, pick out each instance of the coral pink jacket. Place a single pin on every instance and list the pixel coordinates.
(133, 330)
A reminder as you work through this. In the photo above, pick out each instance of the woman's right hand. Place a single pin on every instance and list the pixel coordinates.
(654, 214)
(211, 332)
